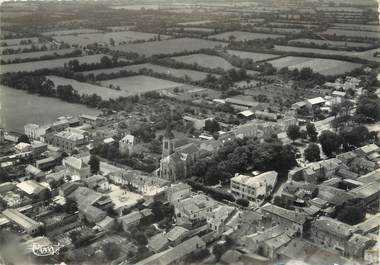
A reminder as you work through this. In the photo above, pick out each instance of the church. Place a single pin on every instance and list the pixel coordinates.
(178, 155)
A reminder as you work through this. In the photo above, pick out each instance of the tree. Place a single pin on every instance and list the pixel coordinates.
(312, 153)
(369, 106)
(293, 132)
(111, 250)
(243, 202)
(312, 132)
(330, 142)
(94, 164)
(356, 136)
(212, 126)
(23, 139)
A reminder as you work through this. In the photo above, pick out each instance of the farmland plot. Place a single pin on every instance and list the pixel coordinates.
(195, 23)
(104, 38)
(11, 42)
(352, 33)
(366, 55)
(244, 36)
(205, 60)
(168, 46)
(33, 55)
(255, 56)
(322, 66)
(364, 27)
(209, 61)
(337, 44)
(140, 84)
(180, 73)
(56, 63)
(85, 88)
(70, 32)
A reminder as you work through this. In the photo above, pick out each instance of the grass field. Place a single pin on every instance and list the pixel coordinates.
(140, 84)
(244, 36)
(375, 28)
(180, 73)
(85, 88)
(194, 23)
(333, 44)
(366, 55)
(255, 56)
(205, 60)
(57, 63)
(70, 32)
(352, 33)
(192, 29)
(104, 38)
(32, 55)
(322, 66)
(279, 30)
(168, 46)
(11, 42)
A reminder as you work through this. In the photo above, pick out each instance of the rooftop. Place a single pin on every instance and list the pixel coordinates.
(284, 213)
(176, 232)
(30, 187)
(333, 226)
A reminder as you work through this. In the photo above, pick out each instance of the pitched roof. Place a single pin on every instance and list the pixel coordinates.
(131, 218)
(158, 242)
(177, 253)
(176, 233)
(30, 187)
(284, 213)
(84, 195)
(333, 226)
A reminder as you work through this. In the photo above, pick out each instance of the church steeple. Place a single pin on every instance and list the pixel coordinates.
(168, 141)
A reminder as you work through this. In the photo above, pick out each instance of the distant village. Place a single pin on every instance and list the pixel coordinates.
(222, 132)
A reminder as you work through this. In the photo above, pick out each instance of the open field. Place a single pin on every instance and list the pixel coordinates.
(194, 23)
(322, 66)
(335, 44)
(180, 73)
(11, 42)
(205, 60)
(140, 84)
(168, 46)
(70, 32)
(244, 36)
(56, 63)
(279, 30)
(104, 38)
(192, 29)
(367, 55)
(85, 88)
(352, 33)
(255, 56)
(375, 28)
(33, 55)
